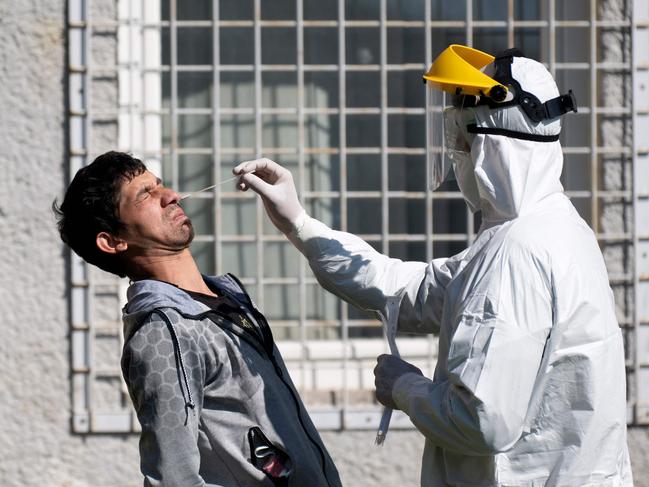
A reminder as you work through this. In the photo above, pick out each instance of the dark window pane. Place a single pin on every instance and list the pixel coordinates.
(194, 45)
(575, 130)
(240, 259)
(321, 130)
(238, 216)
(281, 259)
(492, 10)
(322, 172)
(279, 130)
(236, 45)
(320, 304)
(408, 251)
(406, 45)
(279, 89)
(194, 130)
(577, 80)
(445, 10)
(319, 10)
(237, 131)
(203, 253)
(237, 89)
(526, 10)
(194, 10)
(195, 171)
(364, 215)
(363, 172)
(194, 89)
(363, 130)
(573, 44)
(406, 131)
(447, 249)
(278, 10)
(407, 216)
(327, 210)
(321, 45)
(449, 215)
(406, 173)
(443, 37)
(576, 175)
(491, 41)
(528, 40)
(321, 89)
(572, 10)
(362, 45)
(279, 45)
(236, 9)
(362, 10)
(584, 208)
(200, 212)
(363, 88)
(406, 89)
(406, 10)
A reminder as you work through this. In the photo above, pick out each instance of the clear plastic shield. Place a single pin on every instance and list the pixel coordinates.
(439, 165)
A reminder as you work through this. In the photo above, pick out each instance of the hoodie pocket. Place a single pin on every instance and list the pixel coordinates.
(269, 458)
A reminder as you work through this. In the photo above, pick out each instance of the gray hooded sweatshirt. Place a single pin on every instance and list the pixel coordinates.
(215, 401)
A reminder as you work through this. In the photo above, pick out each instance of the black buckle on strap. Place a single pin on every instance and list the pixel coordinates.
(560, 105)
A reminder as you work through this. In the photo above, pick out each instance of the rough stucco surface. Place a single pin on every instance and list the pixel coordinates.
(36, 443)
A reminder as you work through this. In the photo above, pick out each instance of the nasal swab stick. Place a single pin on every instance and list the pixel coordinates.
(187, 195)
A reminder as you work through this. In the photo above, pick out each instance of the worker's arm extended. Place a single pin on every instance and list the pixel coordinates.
(345, 264)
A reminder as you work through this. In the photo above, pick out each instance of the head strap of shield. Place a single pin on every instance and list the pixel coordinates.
(530, 104)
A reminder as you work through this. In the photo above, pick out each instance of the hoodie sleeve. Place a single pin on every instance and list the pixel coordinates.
(162, 392)
(353, 270)
(494, 356)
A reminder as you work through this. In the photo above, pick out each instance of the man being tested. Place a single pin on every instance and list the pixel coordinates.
(529, 387)
(214, 399)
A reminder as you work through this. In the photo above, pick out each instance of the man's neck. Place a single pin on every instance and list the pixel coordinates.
(178, 269)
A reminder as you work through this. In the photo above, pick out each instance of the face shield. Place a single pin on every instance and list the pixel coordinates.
(439, 165)
(447, 141)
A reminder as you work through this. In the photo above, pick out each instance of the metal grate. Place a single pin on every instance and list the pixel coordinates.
(333, 91)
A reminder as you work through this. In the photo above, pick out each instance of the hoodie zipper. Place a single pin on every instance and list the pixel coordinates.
(269, 351)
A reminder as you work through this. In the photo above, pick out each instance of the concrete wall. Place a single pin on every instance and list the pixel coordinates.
(36, 444)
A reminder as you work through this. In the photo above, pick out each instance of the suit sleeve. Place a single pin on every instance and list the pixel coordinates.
(353, 270)
(169, 453)
(494, 357)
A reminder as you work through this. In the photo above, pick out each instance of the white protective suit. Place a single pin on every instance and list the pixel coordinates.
(529, 388)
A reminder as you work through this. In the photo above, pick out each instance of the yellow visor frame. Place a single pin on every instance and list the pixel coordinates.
(457, 70)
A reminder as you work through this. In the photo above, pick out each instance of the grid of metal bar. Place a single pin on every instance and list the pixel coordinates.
(371, 185)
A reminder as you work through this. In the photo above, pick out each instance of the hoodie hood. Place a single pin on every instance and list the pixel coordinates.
(149, 294)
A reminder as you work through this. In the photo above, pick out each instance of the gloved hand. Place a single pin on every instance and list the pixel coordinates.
(388, 369)
(275, 186)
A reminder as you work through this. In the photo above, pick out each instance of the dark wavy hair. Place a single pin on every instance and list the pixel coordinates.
(90, 206)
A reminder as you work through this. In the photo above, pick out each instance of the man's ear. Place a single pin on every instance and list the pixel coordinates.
(110, 244)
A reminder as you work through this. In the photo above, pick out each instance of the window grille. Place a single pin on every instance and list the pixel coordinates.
(332, 90)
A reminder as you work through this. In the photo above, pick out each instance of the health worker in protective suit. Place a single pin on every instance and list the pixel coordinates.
(529, 388)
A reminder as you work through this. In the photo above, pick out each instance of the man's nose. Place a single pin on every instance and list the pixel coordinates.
(169, 197)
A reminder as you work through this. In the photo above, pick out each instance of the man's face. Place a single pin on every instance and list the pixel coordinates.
(154, 222)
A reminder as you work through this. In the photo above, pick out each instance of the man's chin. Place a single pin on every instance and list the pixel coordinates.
(190, 231)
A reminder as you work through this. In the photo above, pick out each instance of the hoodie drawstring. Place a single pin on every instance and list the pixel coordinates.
(174, 338)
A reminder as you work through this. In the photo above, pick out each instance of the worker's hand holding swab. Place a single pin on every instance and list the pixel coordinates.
(388, 369)
(276, 187)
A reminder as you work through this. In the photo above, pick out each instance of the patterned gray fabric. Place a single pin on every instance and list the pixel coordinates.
(236, 383)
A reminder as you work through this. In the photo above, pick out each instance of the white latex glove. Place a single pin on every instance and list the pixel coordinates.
(275, 185)
(388, 369)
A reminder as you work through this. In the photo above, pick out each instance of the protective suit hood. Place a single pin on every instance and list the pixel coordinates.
(512, 174)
